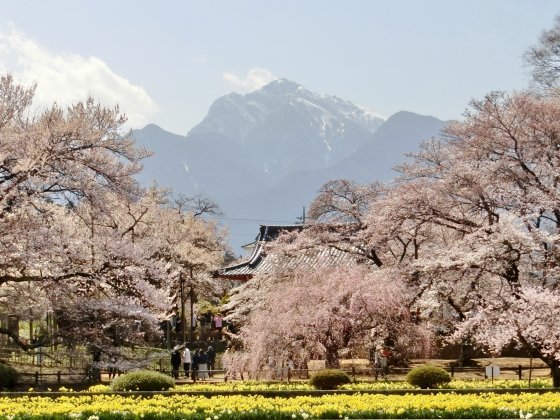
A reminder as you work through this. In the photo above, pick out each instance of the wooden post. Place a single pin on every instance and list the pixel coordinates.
(58, 379)
(452, 371)
(520, 369)
(36, 378)
(530, 370)
(168, 333)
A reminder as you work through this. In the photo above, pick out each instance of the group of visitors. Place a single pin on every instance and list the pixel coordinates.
(210, 324)
(206, 326)
(197, 364)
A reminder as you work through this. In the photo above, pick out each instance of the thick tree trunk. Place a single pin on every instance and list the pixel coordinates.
(331, 359)
(555, 373)
(465, 356)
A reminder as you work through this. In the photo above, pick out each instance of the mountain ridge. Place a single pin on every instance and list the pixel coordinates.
(265, 154)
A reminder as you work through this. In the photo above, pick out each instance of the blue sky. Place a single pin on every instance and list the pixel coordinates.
(166, 61)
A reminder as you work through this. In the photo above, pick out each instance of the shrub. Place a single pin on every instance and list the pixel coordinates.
(98, 388)
(8, 377)
(329, 379)
(428, 376)
(143, 380)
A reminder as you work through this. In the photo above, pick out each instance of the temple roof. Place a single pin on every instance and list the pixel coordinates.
(255, 263)
(260, 262)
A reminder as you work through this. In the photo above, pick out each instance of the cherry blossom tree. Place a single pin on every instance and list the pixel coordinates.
(490, 195)
(337, 219)
(322, 314)
(103, 253)
(471, 227)
(544, 58)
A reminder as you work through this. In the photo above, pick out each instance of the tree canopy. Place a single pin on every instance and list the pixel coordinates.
(78, 236)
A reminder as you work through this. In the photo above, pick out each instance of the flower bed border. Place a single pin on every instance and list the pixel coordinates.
(285, 393)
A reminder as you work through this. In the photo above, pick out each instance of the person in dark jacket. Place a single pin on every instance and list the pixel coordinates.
(175, 362)
(202, 365)
(211, 360)
(195, 364)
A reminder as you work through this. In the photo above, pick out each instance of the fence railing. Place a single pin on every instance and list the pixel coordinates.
(219, 375)
(46, 357)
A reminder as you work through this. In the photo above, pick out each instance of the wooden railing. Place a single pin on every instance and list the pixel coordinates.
(219, 375)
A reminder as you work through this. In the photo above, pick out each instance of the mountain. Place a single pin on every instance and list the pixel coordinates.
(285, 128)
(264, 155)
(212, 164)
(401, 133)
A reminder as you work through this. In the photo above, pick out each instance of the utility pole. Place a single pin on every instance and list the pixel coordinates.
(191, 299)
(302, 218)
(191, 330)
(183, 320)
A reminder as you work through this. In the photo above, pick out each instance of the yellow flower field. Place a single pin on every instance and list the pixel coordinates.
(358, 386)
(161, 406)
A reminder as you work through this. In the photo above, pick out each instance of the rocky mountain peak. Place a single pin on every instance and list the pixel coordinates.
(281, 87)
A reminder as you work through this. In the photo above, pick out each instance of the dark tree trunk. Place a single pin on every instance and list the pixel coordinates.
(331, 359)
(465, 356)
(555, 372)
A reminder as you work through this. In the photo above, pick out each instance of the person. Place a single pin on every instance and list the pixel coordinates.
(373, 361)
(289, 367)
(194, 365)
(187, 360)
(113, 367)
(211, 360)
(205, 321)
(219, 324)
(175, 362)
(202, 365)
(381, 361)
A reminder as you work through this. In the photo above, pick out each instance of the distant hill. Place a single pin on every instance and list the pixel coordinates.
(401, 133)
(264, 155)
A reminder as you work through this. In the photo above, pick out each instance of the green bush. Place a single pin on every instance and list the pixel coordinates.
(143, 380)
(8, 377)
(329, 379)
(428, 376)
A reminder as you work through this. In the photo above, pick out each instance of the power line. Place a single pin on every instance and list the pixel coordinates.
(254, 220)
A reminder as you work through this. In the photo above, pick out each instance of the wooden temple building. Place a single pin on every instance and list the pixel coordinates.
(257, 261)
(260, 262)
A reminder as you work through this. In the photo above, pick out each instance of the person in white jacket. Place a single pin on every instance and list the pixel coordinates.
(186, 359)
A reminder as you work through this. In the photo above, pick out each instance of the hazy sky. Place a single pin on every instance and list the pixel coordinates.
(166, 61)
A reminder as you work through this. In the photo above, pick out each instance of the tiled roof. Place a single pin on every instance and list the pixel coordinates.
(261, 263)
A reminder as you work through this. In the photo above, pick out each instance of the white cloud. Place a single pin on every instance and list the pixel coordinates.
(67, 78)
(255, 79)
